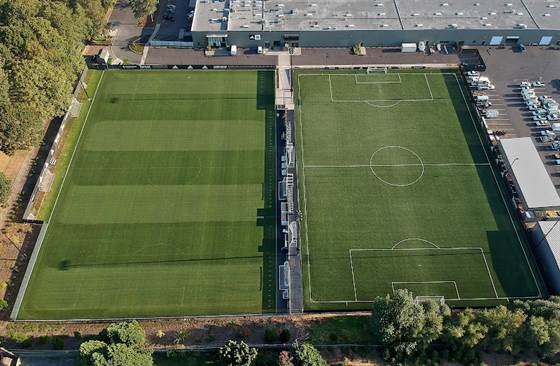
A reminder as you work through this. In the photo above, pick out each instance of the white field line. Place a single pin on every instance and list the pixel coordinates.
(435, 248)
(76, 146)
(429, 88)
(371, 101)
(393, 283)
(304, 191)
(353, 277)
(489, 274)
(393, 165)
(16, 311)
(499, 188)
(489, 164)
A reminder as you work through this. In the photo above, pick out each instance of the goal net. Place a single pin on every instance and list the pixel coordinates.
(438, 299)
(376, 69)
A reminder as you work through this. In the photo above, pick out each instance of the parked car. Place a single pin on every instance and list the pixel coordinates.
(538, 84)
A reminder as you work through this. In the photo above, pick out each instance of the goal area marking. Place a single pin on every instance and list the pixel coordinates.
(487, 163)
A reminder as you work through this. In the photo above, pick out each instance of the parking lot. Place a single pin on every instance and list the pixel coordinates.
(506, 69)
(174, 19)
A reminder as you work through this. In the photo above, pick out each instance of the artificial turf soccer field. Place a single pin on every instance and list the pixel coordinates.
(397, 191)
(168, 206)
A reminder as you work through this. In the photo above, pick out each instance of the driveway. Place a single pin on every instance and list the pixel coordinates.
(126, 29)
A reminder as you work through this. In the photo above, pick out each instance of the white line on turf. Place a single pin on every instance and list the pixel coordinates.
(393, 165)
(393, 283)
(487, 164)
(353, 277)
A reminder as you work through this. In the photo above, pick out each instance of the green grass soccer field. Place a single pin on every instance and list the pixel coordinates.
(397, 191)
(168, 206)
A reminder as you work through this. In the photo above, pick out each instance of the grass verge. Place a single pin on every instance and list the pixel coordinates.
(73, 129)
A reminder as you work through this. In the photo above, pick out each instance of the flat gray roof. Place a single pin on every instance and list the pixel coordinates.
(532, 179)
(257, 15)
(552, 233)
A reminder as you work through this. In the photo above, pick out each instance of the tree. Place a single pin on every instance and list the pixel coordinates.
(307, 355)
(463, 328)
(142, 8)
(129, 333)
(235, 353)
(405, 327)
(504, 327)
(121, 344)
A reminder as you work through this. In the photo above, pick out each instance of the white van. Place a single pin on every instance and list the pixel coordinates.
(233, 50)
(260, 50)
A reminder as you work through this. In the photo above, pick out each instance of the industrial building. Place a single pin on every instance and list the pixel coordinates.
(343, 23)
(534, 187)
(546, 236)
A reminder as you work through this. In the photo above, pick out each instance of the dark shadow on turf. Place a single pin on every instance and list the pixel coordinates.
(267, 216)
(507, 258)
(66, 264)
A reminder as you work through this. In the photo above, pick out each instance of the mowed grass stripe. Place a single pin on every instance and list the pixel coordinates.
(172, 289)
(121, 244)
(175, 135)
(170, 242)
(170, 167)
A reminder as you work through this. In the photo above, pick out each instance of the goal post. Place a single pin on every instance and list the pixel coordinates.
(376, 69)
(423, 299)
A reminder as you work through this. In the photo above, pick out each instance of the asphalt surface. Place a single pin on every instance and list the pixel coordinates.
(171, 30)
(393, 56)
(174, 56)
(506, 68)
(127, 30)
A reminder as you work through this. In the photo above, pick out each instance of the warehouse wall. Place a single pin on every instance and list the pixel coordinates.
(548, 264)
(347, 38)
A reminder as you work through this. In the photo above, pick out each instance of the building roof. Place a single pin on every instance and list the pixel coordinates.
(552, 231)
(533, 182)
(257, 15)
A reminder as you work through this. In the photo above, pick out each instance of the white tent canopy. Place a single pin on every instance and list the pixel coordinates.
(529, 174)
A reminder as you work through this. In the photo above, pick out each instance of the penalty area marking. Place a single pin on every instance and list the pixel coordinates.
(372, 102)
(434, 248)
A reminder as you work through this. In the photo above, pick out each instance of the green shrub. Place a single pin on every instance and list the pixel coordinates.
(270, 335)
(57, 343)
(27, 343)
(43, 339)
(285, 336)
(18, 337)
(306, 354)
(3, 304)
(5, 189)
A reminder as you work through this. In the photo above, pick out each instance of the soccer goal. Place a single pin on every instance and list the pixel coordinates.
(377, 69)
(422, 299)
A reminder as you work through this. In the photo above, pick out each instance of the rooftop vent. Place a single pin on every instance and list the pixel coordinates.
(419, 25)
